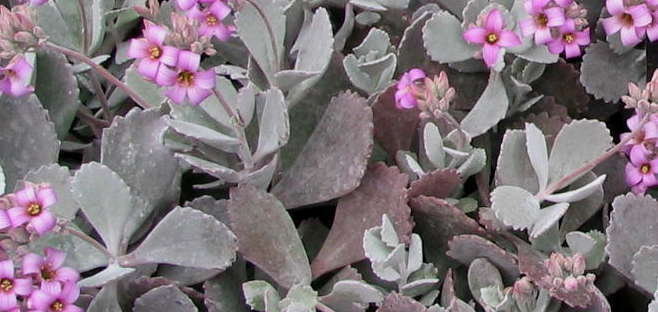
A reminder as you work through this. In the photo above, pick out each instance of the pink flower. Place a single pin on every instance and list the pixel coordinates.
(541, 20)
(652, 29)
(31, 204)
(648, 134)
(564, 3)
(570, 40)
(187, 82)
(641, 171)
(404, 96)
(631, 21)
(55, 298)
(49, 270)
(188, 4)
(151, 51)
(15, 77)
(37, 2)
(492, 36)
(210, 20)
(11, 286)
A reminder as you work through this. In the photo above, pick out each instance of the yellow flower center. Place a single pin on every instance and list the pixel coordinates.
(34, 209)
(211, 20)
(492, 38)
(6, 284)
(541, 20)
(569, 38)
(47, 273)
(645, 168)
(155, 52)
(57, 306)
(186, 78)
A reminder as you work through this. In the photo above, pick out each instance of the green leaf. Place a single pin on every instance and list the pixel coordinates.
(27, 137)
(61, 98)
(111, 212)
(112, 273)
(260, 221)
(548, 217)
(483, 274)
(514, 167)
(262, 29)
(149, 91)
(490, 108)
(60, 180)
(370, 76)
(569, 153)
(476, 160)
(204, 135)
(164, 298)
(538, 153)
(54, 24)
(300, 298)
(201, 241)
(80, 254)
(442, 36)
(351, 295)
(433, 143)
(274, 124)
(515, 206)
(261, 296)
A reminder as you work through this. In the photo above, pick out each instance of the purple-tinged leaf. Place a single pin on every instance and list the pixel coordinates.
(437, 221)
(439, 183)
(382, 191)
(632, 225)
(267, 236)
(467, 248)
(165, 298)
(394, 128)
(335, 158)
(560, 80)
(395, 302)
(448, 289)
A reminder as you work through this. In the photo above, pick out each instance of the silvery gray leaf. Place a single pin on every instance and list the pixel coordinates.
(274, 124)
(515, 206)
(490, 108)
(111, 273)
(60, 180)
(442, 36)
(548, 217)
(538, 153)
(577, 194)
(164, 298)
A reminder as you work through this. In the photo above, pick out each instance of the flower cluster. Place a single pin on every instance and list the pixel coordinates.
(18, 31)
(493, 35)
(633, 19)
(641, 143)
(172, 59)
(431, 96)
(40, 284)
(559, 24)
(567, 274)
(28, 208)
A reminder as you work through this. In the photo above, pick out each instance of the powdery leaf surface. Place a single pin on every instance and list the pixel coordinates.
(267, 236)
(59, 179)
(382, 191)
(394, 128)
(164, 298)
(334, 160)
(395, 302)
(27, 137)
(466, 248)
(632, 225)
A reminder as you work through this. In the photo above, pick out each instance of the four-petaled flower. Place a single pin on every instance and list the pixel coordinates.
(15, 77)
(631, 21)
(493, 36)
(10, 286)
(570, 40)
(151, 51)
(405, 96)
(210, 20)
(55, 298)
(31, 208)
(541, 20)
(49, 270)
(641, 171)
(187, 82)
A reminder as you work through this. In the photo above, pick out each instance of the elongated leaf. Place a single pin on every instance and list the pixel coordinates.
(467, 248)
(27, 137)
(335, 158)
(260, 221)
(489, 109)
(548, 217)
(514, 167)
(578, 194)
(538, 153)
(111, 273)
(201, 241)
(2, 181)
(274, 124)
(433, 143)
(205, 135)
(382, 191)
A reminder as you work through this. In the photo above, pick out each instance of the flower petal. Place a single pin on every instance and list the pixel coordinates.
(220, 10)
(18, 216)
(475, 35)
(564, 3)
(148, 68)
(138, 48)
(615, 7)
(166, 76)
(70, 292)
(641, 15)
(571, 50)
(629, 36)
(169, 55)
(32, 264)
(556, 46)
(494, 21)
(26, 196)
(186, 4)
(555, 16)
(611, 25)
(508, 39)
(582, 37)
(528, 26)
(542, 36)
(23, 286)
(632, 174)
(188, 60)
(176, 94)
(42, 223)
(7, 301)
(638, 155)
(21, 67)
(154, 33)
(7, 269)
(54, 257)
(205, 79)
(67, 274)
(196, 95)
(46, 196)
(490, 54)
(5, 221)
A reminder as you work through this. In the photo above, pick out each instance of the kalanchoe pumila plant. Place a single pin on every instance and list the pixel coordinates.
(332, 156)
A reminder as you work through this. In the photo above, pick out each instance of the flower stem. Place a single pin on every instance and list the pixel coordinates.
(101, 97)
(323, 308)
(101, 71)
(566, 180)
(85, 29)
(238, 127)
(89, 240)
